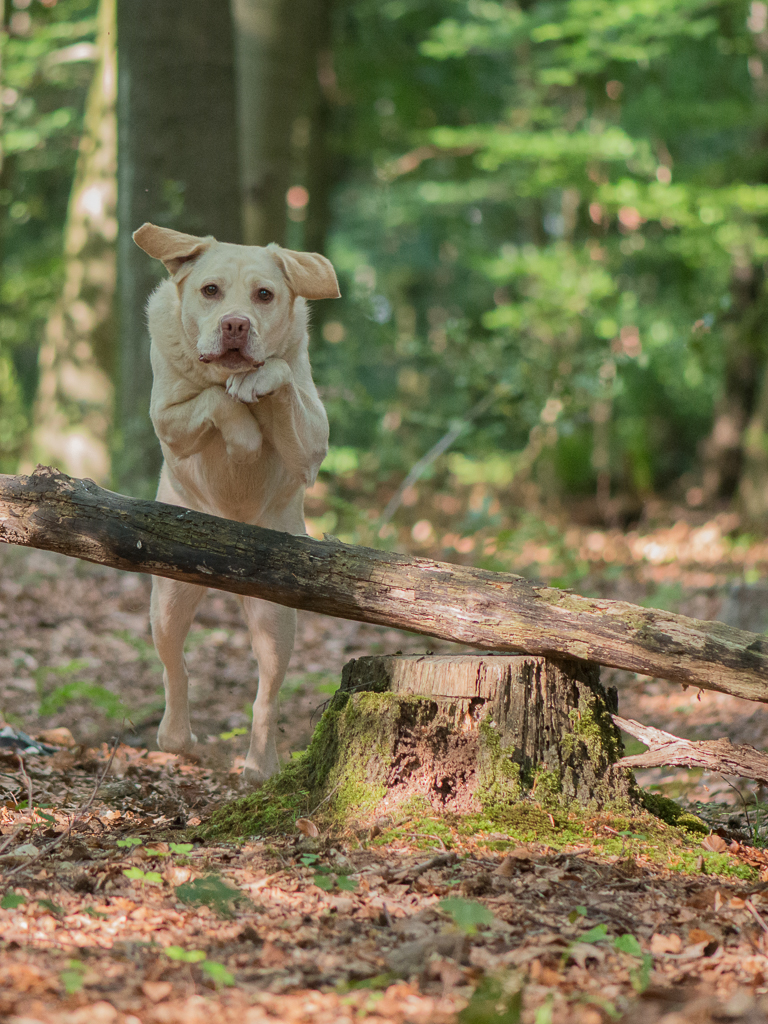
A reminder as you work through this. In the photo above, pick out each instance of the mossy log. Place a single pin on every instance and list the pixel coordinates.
(468, 735)
(485, 610)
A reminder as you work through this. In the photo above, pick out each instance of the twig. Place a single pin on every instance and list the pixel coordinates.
(28, 781)
(753, 911)
(445, 442)
(77, 816)
(325, 798)
(442, 860)
(746, 810)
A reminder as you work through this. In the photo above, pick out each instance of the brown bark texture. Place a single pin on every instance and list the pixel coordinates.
(713, 755)
(487, 729)
(487, 610)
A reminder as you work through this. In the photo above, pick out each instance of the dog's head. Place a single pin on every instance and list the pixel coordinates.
(237, 301)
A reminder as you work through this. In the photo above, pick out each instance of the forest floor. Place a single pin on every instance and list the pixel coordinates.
(115, 910)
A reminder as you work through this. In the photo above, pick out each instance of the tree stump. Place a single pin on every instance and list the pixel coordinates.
(418, 736)
(482, 732)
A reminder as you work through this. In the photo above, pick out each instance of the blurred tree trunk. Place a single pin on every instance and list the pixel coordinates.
(281, 45)
(753, 486)
(178, 166)
(73, 409)
(724, 456)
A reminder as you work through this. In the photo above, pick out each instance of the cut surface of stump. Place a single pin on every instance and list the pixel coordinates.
(458, 734)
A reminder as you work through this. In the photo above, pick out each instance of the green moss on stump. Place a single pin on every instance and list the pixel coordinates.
(346, 787)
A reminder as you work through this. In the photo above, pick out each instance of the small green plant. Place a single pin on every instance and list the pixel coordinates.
(129, 842)
(187, 956)
(181, 849)
(92, 912)
(467, 915)
(239, 731)
(72, 979)
(639, 976)
(54, 908)
(212, 892)
(145, 877)
(217, 972)
(79, 689)
(11, 900)
(576, 913)
(544, 1012)
(326, 879)
(495, 999)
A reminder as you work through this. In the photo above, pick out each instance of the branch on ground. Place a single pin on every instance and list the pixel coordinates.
(712, 755)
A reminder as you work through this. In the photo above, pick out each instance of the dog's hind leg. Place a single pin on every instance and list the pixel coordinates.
(272, 629)
(171, 612)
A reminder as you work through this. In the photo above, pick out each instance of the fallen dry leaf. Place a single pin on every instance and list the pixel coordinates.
(665, 944)
(307, 828)
(157, 990)
(714, 843)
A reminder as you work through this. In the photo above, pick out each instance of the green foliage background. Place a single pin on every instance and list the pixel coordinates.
(560, 202)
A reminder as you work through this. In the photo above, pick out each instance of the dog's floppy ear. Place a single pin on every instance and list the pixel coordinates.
(174, 248)
(308, 273)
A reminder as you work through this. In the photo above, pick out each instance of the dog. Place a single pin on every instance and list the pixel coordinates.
(243, 433)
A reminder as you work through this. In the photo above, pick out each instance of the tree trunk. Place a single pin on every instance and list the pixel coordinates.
(277, 42)
(753, 485)
(178, 167)
(487, 610)
(481, 732)
(73, 410)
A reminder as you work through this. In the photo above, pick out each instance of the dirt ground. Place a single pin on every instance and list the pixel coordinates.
(96, 923)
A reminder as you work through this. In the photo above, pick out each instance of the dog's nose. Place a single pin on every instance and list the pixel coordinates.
(234, 330)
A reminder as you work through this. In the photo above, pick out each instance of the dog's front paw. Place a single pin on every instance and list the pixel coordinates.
(250, 387)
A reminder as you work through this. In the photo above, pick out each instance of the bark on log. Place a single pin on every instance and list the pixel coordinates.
(482, 732)
(486, 610)
(712, 755)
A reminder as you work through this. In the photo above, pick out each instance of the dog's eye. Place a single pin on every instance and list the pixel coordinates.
(210, 289)
(264, 295)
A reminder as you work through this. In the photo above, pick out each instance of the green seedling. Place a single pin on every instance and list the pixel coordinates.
(467, 915)
(181, 849)
(129, 841)
(544, 1012)
(72, 979)
(49, 905)
(639, 976)
(326, 879)
(212, 892)
(145, 877)
(218, 973)
(576, 913)
(92, 912)
(493, 1001)
(11, 900)
(239, 731)
(186, 956)
(327, 882)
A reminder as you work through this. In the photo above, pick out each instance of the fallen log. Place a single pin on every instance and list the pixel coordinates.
(486, 610)
(720, 755)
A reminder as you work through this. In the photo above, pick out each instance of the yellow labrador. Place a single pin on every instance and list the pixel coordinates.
(243, 433)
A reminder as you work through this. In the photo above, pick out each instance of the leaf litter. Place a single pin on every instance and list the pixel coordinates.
(114, 908)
